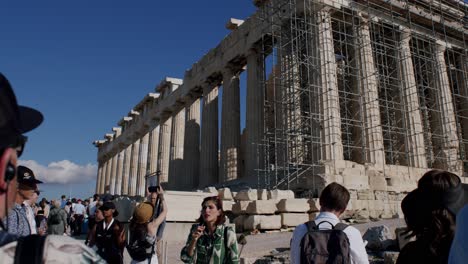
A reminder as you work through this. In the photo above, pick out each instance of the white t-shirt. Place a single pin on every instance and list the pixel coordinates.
(79, 209)
(92, 208)
(356, 244)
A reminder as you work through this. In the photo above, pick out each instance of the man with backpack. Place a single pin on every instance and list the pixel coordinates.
(326, 240)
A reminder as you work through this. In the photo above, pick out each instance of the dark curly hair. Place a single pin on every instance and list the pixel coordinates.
(219, 205)
(427, 218)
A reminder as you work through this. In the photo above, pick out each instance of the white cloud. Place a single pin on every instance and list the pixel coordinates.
(61, 172)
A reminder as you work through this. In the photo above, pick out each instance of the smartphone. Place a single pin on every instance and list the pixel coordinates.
(153, 189)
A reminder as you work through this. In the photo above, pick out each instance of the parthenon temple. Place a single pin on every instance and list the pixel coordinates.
(368, 93)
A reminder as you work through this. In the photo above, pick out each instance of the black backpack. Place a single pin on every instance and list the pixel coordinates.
(138, 248)
(325, 246)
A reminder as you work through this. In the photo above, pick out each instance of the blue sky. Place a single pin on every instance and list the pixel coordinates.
(85, 64)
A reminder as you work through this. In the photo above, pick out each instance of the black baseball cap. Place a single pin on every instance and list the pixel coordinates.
(14, 119)
(26, 178)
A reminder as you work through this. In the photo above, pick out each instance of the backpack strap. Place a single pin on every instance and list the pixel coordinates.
(226, 259)
(311, 226)
(340, 226)
(30, 249)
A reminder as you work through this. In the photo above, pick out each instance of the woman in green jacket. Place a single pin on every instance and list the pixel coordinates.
(210, 240)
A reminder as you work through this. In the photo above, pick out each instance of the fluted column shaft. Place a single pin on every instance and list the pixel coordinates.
(209, 138)
(450, 143)
(254, 109)
(176, 165)
(98, 179)
(368, 82)
(134, 168)
(142, 162)
(108, 174)
(164, 149)
(192, 146)
(113, 176)
(415, 136)
(153, 152)
(126, 169)
(230, 127)
(119, 173)
(331, 137)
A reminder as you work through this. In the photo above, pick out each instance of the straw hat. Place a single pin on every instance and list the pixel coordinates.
(143, 213)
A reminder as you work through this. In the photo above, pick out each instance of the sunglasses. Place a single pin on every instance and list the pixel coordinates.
(38, 192)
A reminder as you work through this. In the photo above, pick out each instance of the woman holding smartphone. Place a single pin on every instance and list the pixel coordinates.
(210, 240)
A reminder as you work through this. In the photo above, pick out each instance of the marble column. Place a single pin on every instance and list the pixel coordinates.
(98, 179)
(134, 168)
(331, 125)
(103, 178)
(119, 173)
(153, 149)
(369, 90)
(126, 169)
(230, 127)
(254, 112)
(176, 156)
(414, 125)
(113, 177)
(164, 149)
(192, 146)
(142, 162)
(448, 125)
(209, 137)
(108, 175)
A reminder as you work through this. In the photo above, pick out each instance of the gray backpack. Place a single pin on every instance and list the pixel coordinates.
(325, 246)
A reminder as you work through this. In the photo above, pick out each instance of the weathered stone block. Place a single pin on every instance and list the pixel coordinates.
(280, 194)
(261, 207)
(225, 194)
(247, 195)
(295, 219)
(353, 194)
(314, 204)
(293, 206)
(378, 183)
(379, 238)
(262, 222)
(262, 194)
(381, 195)
(211, 190)
(365, 195)
(227, 205)
(240, 207)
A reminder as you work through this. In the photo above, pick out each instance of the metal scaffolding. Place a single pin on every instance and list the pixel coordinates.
(292, 148)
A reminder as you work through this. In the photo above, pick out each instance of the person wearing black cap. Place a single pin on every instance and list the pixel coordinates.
(17, 221)
(14, 121)
(110, 235)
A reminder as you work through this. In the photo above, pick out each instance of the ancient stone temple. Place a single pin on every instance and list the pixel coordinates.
(367, 93)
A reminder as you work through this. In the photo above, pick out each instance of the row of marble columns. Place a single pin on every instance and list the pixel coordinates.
(186, 152)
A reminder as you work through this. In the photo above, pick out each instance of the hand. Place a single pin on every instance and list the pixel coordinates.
(198, 233)
(160, 190)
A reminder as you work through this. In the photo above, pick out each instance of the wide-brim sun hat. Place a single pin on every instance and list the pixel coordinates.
(14, 119)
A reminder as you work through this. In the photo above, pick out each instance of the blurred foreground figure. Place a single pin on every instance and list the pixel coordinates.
(14, 121)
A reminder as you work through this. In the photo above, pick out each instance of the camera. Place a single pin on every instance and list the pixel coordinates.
(153, 189)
